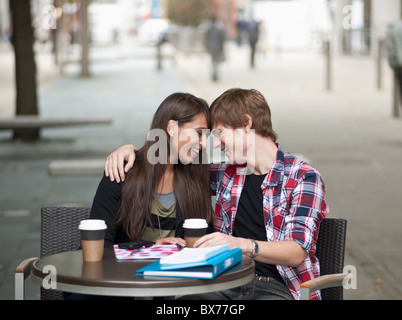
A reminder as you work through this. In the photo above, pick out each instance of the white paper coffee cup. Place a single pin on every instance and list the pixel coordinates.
(92, 224)
(195, 223)
(92, 239)
(193, 230)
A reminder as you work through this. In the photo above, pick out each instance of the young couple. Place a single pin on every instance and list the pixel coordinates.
(272, 213)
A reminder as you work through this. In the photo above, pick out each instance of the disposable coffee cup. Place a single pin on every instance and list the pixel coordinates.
(92, 239)
(193, 230)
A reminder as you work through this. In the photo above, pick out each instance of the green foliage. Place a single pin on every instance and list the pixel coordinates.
(188, 12)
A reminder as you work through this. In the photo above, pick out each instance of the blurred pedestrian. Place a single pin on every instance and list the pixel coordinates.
(214, 41)
(241, 26)
(253, 34)
(394, 51)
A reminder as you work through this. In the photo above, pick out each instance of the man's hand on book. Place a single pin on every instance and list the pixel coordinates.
(218, 238)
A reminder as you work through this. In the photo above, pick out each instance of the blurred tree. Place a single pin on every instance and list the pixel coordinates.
(25, 67)
(188, 12)
(85, 38)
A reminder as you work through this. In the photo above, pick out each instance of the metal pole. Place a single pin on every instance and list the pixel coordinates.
(159, 55)
(379, 62)
(84, 38)
(328, 65)
(396, 97)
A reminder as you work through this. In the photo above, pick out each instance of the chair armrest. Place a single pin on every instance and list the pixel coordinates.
(327, 281)
(25, 267)
(22, 271)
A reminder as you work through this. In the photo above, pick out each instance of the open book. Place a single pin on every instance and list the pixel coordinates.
(193, 255)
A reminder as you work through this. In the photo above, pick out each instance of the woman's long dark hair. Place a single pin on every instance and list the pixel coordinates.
(191, 181)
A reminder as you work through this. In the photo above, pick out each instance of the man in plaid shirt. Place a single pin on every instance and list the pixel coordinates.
(283, 226)
(296, 212)
(268, 202)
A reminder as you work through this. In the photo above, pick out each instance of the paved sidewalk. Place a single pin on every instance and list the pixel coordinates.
(348, 135)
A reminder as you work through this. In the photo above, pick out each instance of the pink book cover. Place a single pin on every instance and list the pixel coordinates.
(153, 252)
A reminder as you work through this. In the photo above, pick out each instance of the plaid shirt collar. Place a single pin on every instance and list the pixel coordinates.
(275, 175)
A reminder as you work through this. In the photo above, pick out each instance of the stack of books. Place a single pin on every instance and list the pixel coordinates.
(201, 263)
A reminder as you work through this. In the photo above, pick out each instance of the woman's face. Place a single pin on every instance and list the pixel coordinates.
(188, 139)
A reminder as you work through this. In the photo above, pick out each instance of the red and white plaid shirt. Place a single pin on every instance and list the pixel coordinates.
(293, 204)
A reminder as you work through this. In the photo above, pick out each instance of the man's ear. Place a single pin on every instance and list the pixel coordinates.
(171, 128)
(248, 122)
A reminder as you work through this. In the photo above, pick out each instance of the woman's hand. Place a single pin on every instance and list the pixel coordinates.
(114, 166)
(172, 240)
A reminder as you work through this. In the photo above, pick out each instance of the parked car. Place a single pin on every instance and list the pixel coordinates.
(153, 30)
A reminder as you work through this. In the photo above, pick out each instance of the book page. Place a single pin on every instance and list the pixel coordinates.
(188, 255)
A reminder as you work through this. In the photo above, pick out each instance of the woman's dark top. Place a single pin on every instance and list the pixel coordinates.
(106, 204)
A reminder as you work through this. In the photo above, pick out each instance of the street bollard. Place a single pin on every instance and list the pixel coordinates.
(380, 51)
(327, 47)
(159, 55)
(396, 97)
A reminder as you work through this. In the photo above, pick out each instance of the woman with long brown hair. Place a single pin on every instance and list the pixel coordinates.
(168, 183)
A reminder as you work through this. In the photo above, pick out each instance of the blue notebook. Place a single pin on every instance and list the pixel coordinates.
(207, 269)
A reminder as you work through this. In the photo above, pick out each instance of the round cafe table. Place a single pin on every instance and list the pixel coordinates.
(112, 277)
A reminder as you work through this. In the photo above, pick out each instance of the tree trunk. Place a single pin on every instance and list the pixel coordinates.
(85, 38)
(25, 67)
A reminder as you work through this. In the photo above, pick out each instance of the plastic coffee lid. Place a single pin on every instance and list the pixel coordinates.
(195, 223)
(92, 224)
